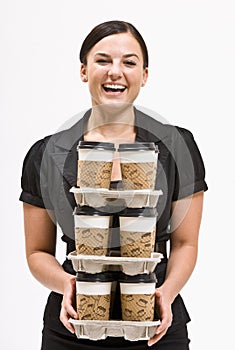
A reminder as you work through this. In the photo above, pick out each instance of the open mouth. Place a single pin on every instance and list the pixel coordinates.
(114, 88)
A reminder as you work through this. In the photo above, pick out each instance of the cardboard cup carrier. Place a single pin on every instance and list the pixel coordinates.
(94, 301)
(138, 297)
(91, 230)
(93, 295)
(137, 232)
(95, 162)
(138, 165)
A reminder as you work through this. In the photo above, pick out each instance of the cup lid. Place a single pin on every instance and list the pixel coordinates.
(140, 278)
(109, 146)
(94, 277)
(90, 211)
(135, 212)
(137, 146)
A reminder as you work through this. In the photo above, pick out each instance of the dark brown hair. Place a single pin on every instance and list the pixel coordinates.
(109, 28)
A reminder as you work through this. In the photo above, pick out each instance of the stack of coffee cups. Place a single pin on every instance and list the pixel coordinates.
(137, 227)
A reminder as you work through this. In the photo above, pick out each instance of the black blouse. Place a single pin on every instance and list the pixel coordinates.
(50, 170)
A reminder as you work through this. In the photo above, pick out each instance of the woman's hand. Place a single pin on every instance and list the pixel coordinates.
(165, 314)
(68, 304)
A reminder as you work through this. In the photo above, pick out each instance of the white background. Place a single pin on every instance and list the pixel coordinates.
(191, 84)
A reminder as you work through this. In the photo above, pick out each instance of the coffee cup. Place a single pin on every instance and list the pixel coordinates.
(138, 165)
(95, 161)
(92, 228)
(93, 295)
(138, 297)
(137, 232)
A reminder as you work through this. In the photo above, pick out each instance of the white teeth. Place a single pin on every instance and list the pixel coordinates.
(114, 87)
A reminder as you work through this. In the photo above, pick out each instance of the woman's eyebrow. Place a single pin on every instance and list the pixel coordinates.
(124, 56)
(131, 55)
(102, 54)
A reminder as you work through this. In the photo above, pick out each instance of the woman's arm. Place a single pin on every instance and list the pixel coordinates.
(186, 219)
(40, 241)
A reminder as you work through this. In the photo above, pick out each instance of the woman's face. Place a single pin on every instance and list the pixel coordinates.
(114, 70)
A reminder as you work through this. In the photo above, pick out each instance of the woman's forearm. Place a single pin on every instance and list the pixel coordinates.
(179, 269)
(40, 238)
(186, 221)
(47, 270)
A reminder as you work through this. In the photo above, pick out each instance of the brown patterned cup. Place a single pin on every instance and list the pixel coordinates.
(137, 232)
(95, 162)
(138, 297)
(93, 295)
(91, 230)
(138, 165)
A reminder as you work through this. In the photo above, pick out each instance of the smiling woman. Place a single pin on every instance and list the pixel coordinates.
(114, 69)
(114, 64)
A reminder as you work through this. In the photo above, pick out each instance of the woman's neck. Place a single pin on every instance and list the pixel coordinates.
(115, 124)
(111, 122)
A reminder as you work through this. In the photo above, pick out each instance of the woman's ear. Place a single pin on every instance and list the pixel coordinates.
(83, 73)
(145, 76)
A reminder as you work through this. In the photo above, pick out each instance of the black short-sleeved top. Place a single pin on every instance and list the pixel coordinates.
(50, 170)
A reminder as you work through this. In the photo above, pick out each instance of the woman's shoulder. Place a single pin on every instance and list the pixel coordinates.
(37, 149)
(61, 138)
(161, 128)
(186, 133)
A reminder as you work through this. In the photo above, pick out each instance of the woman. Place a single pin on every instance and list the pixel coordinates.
(114, 63)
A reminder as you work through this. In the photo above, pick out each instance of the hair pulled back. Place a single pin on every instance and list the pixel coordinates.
(109, 28)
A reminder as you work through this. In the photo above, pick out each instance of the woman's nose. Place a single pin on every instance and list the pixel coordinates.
(115, 71)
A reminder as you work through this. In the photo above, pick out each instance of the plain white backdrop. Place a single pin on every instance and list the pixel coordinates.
(191, 84)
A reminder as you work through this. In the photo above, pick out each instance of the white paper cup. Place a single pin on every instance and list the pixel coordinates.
(95, 161)
(138, 165)
(137, 232)
(93, 295)
(91, 231)
(138, 297)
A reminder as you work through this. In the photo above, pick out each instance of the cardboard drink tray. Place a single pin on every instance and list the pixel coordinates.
(100, 197)
(128, 265)
(130, 330)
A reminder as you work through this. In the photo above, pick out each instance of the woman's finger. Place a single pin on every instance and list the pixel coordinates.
(64, 318)
(156, 338)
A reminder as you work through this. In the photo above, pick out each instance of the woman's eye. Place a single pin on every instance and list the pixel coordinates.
(130, 63)
(102, 61)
